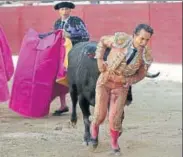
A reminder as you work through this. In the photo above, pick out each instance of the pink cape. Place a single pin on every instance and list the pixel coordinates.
(6, 67)
(39, 63)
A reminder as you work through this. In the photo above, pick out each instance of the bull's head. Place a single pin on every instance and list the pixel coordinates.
(149, 75)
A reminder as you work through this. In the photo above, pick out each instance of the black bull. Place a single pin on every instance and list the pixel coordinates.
(82, 76)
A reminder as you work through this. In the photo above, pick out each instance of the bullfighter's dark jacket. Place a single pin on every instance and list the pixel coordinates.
(74, 26)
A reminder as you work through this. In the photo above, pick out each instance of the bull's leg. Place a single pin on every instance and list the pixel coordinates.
(129, 96)
(85, 107)
(74, 99)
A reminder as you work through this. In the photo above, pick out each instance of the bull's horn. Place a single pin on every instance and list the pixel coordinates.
(149, 75)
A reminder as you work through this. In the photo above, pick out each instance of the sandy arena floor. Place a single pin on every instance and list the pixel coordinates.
(152, 127)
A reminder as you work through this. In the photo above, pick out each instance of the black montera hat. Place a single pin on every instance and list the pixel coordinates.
(64, 5)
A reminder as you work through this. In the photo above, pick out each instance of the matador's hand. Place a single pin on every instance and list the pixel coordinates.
(66, 34)
(102, 65)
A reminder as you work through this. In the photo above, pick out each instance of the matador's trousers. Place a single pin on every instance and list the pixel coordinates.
(116, 94)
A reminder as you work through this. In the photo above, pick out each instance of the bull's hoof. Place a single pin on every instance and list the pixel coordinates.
(86, 143)
(87, 140)
(73, 121)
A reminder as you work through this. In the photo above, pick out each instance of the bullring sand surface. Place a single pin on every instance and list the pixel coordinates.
(152, 125)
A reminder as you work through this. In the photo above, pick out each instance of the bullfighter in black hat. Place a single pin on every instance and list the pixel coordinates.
(73, 26)
(75, 29)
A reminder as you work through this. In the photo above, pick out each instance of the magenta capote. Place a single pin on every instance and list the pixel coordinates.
(39, 63)
(6, 66)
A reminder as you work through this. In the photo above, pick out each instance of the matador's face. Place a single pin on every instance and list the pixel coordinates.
(65, 12)
(141, 39)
